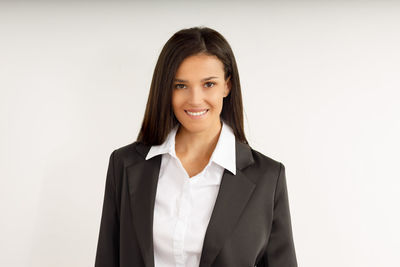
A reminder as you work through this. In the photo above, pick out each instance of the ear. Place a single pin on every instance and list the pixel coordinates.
(227, 86)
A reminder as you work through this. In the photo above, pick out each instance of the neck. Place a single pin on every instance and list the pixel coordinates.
(197, 143)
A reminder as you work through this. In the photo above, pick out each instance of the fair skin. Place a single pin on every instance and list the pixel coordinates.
(199, 86)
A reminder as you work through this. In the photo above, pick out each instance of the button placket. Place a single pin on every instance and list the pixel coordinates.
(181, 224)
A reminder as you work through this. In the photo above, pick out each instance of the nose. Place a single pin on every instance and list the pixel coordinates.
(195, 95)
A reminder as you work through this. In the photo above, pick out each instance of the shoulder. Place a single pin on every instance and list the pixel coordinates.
(129, 154)
(264, 159)
(264, 164)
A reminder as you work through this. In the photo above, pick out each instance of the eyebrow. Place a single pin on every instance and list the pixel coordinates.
(205, 79)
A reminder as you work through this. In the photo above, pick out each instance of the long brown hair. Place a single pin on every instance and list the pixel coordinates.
(159, 117)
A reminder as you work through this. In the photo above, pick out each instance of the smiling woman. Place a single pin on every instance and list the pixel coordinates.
(190, 191)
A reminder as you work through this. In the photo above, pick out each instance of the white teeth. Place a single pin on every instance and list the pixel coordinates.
(196, 113)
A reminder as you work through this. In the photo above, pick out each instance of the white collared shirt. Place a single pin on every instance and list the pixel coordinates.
(183, 205)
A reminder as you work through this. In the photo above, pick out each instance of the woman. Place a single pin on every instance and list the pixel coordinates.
(190, 191)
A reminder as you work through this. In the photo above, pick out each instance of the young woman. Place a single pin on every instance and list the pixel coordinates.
(190, 191)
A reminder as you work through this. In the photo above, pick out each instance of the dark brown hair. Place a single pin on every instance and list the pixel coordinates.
(159, 117)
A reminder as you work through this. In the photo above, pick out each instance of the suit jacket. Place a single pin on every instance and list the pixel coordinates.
(250, 224)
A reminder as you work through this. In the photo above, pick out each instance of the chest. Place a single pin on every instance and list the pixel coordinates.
(193, 165)
(182, 210)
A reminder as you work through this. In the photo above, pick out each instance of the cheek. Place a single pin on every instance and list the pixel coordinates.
(177, 100)
(216, 100)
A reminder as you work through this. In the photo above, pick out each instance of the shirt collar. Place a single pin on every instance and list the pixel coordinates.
(224, 153)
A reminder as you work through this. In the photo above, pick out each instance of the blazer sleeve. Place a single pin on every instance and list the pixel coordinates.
(107, 253)
(280, 250)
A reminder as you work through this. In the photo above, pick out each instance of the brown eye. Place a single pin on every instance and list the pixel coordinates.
(210, 84)
(179, 86)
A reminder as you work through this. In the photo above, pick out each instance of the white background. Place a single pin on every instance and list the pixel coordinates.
(320, 84)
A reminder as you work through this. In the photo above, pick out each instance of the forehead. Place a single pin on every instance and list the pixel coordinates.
(200, 65)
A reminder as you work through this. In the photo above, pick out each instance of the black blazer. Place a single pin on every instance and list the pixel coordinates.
(249, 226)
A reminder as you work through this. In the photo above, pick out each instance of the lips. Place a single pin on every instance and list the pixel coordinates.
(196, 109)
(195, 115)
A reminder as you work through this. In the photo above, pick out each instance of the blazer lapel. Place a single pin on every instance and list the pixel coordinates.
(234, 192)
(142, 184)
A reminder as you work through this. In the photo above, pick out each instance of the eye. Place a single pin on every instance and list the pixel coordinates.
(210, 83)
(179, 86)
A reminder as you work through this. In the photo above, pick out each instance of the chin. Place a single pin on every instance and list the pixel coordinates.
(195, 127)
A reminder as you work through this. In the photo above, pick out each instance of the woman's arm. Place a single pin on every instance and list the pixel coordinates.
(280, 251)
(108, 244)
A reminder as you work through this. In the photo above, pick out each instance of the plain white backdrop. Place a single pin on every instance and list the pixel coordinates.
(320, 84)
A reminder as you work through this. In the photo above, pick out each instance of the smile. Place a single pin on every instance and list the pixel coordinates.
(196, 114)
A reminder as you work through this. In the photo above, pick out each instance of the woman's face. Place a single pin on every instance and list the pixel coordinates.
(198, 91)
